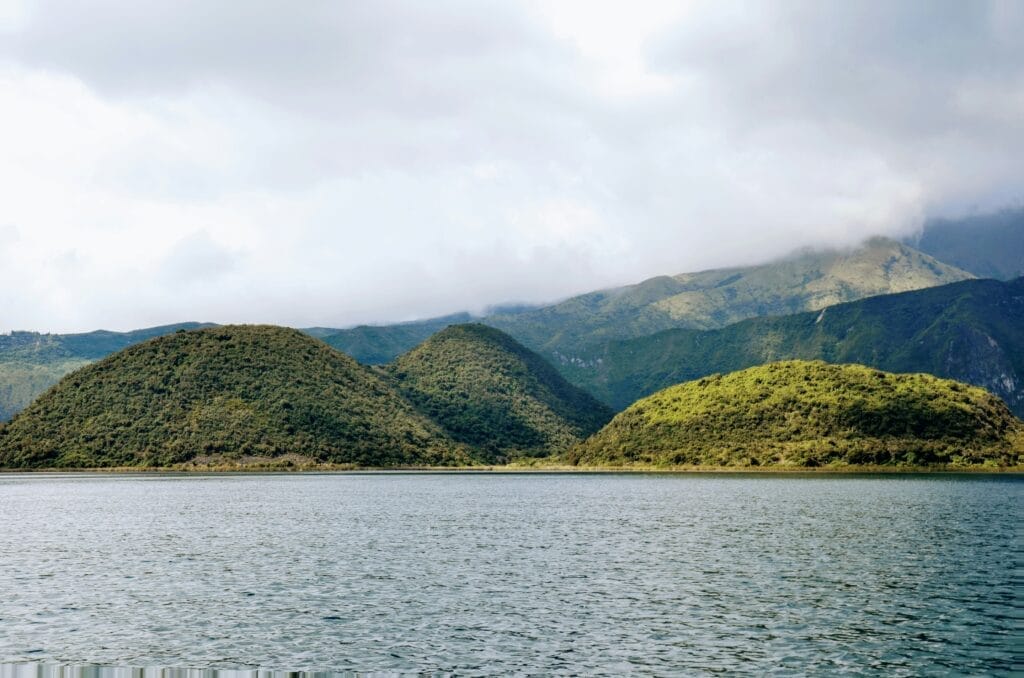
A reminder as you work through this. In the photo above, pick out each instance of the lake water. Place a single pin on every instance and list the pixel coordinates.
(464, 573)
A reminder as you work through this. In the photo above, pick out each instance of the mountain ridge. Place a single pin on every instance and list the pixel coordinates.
(704, 299)
(972, 331)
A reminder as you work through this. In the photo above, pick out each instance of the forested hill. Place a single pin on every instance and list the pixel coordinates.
(492, 393)
(799, 413)
(971, 331)
(469, 394)
(231, 392)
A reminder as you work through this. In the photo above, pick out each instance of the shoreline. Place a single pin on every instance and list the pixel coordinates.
(520, 469)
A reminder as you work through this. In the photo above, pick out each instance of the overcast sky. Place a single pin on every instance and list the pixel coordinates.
(329, 163)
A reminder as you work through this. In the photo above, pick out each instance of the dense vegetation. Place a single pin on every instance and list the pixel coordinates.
(492, 393)
(802, 413)
(987, 245)
(971, 331)
(709, 299)
(224, 392)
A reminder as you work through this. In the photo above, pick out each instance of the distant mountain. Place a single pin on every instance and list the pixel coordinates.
(808, 281)
(224, 393)
(972, 331)
(799, 413)
(492, 393)
(988, 245)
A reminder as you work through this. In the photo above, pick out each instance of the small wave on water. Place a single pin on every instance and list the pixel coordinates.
(54, 670)
(497, 575)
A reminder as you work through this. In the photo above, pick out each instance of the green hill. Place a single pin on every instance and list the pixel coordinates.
(987, 245)
(799, 413)
(971, 331)
(490, 392)
(563, 332)
(223, 392)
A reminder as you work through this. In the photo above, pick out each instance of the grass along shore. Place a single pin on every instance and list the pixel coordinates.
(299, 464)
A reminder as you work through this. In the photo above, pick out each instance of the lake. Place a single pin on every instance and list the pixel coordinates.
(498, 573)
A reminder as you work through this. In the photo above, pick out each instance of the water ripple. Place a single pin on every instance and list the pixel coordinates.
(564, 574)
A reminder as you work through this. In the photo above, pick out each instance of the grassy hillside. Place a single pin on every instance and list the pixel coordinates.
(230, 391)
(972, 331)
(987, 245)
(562, 332)
(810, 414)
(492, 393)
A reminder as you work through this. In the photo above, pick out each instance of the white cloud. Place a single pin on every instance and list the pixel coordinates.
(377, 161)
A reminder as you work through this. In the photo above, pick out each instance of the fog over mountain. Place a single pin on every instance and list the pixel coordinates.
(335, 163)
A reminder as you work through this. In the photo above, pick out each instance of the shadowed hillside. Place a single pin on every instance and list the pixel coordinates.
(987, 245)
(492, 393)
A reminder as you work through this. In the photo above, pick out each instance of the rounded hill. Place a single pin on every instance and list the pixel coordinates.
(802, 413)
(489, 391)
(229, 391)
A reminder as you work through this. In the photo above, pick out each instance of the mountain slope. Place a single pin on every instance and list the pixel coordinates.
(987, 245)
(490, 392)
(230, 391)
(709, 299)
(971, 331)
(809, 414)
